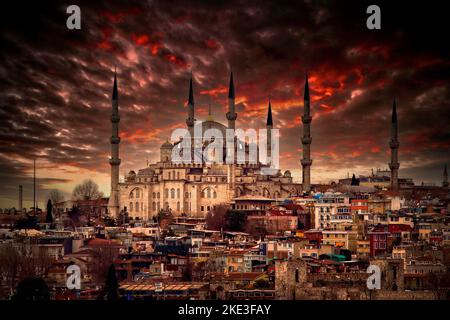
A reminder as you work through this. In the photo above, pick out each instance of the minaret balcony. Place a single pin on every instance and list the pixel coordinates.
(190, 122)
(115, 118)
(306, 119)
(114, 162)
(306, 162)
(115, 140)
(394, 144)
(306, 140)
(394, 166)
(231, 116)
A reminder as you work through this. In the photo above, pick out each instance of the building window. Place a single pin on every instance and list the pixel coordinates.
(178, 205)
(186, 194)
(202, 208)
(131, 195)
(158, 195)
(169, 176)
(137, 207)
(131, 206)
(178, 193)
(166, 193)
(214, 194)
(154, 195)
(208, 191)
(137, 193)
(178, 175)
(172, 193)
(154, 206)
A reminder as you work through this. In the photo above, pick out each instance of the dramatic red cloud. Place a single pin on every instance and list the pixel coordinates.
(212, 44)
(215, 91)
(153, 41)
(176, 60)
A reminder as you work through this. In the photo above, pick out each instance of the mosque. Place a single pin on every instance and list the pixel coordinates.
(195, 189)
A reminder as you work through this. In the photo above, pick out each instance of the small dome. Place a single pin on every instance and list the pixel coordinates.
(131, 176)
(146, 172)
(167, 145)
(287, 174)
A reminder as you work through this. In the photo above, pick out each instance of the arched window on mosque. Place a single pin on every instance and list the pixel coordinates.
(186, 194)
(154, 195)
(170, 176)
(208, 192)
(137, 193)
(178, 205)
(137, 206)
(178, 193)
(173, 174)
(172, 193)
(166, 193)
(158, 195)
(131, 206)
(214, 195)
(131, 195)
(178, 175)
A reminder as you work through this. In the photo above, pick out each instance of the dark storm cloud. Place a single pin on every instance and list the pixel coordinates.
(56, 84)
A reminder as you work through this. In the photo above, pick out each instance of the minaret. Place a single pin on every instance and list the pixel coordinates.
(445, 181)
(190, 121)
(114, 161)
(306, 140)
(393, 144)
(269, 127)
(231, 114)
(231, 117)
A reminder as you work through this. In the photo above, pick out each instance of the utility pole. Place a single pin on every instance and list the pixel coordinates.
(34, 185)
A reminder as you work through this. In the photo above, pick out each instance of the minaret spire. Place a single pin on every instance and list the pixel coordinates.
(269, 115)
(445, 183)
(394, 144)
(306, 140)
(269, 127)
(190, 119)
(114, 160)
(191, 93)
(231, 114)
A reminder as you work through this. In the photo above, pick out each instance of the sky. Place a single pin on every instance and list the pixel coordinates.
(56, 84)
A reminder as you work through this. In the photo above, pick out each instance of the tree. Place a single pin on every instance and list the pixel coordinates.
(103, 258)
(355, 182)
(19, 261)
(32, 289)
(49, 217)
(235, 220)
(215, 219)
(56, 196)
(87, 190)
(111, 285)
